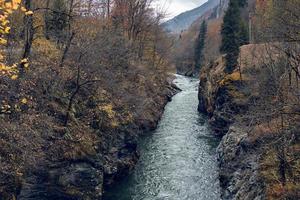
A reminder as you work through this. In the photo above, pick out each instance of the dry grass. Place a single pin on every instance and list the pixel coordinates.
(275, 189)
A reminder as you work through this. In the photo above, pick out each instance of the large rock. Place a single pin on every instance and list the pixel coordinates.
(238, 162)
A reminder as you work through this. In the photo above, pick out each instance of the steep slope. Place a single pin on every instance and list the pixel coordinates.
(184, 20)
(42, 159)
(184, 54)
(41, 156)
(258, 159)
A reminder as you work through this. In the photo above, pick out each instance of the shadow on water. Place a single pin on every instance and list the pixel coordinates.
(178, 160)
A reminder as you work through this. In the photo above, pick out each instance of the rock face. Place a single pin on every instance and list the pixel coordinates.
(238, 164)
(223, 99)
(255, 162)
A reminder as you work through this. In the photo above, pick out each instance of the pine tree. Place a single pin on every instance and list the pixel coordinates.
(199, 47)
(243, 33)
(242, 3)
(234, 34)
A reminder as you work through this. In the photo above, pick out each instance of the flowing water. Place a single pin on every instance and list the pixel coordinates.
(178, 160)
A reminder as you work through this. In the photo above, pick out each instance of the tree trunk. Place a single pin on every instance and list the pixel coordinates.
(28, 34)
(67, 47)
(47, 20)
(108, 8)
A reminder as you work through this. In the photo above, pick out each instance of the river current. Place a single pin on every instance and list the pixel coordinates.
(178, 160)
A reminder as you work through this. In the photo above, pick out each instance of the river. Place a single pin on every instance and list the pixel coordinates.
(178, 160)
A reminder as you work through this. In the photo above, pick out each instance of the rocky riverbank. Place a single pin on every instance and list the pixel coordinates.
(249, 160)
(121, 159)
(237, 163)
(42, 159)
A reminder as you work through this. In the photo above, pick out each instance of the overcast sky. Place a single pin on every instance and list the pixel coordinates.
(175, 7)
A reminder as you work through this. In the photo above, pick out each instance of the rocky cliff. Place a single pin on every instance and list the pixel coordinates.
(250, 160)
(220, 97)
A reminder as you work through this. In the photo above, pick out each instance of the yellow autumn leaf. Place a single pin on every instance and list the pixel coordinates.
(23, 9)
(26, 65)
(14, 77)
(3, 41)
(4, 22)
(8, 5)
(24, 101)
(7, 29)
(29, 13)
(25, 60)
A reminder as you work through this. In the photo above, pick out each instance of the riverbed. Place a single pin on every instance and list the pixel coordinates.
(178, 160)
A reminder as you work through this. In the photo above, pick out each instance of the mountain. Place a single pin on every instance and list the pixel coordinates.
(184, 20)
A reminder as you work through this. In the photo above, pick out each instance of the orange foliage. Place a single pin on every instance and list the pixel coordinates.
(6, 9)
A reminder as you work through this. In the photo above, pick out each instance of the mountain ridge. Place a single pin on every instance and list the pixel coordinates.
(184, 20)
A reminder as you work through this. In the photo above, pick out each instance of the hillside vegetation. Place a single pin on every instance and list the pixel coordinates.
(183, 21)
(185, 48)
(251, 95)
(79, 81)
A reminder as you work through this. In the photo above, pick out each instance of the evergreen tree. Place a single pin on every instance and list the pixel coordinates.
(199, 47)
(57, 20)
(242, 3)
(234, 34)
(243, 33)
(230, 35)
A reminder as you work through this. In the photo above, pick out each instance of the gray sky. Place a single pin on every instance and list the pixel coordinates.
(175, 7)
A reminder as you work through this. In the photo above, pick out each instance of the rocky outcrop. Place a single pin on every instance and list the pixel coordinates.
(256, 159)
(224, 99)
(221, 97)
(238, 162)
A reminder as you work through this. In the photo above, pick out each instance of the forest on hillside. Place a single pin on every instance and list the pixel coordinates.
(79, 79)
(82, 80)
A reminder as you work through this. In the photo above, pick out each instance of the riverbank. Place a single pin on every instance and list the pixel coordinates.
(178, 159)
(41, 158)
(256, 157)
(238, 166)
(122, 157)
